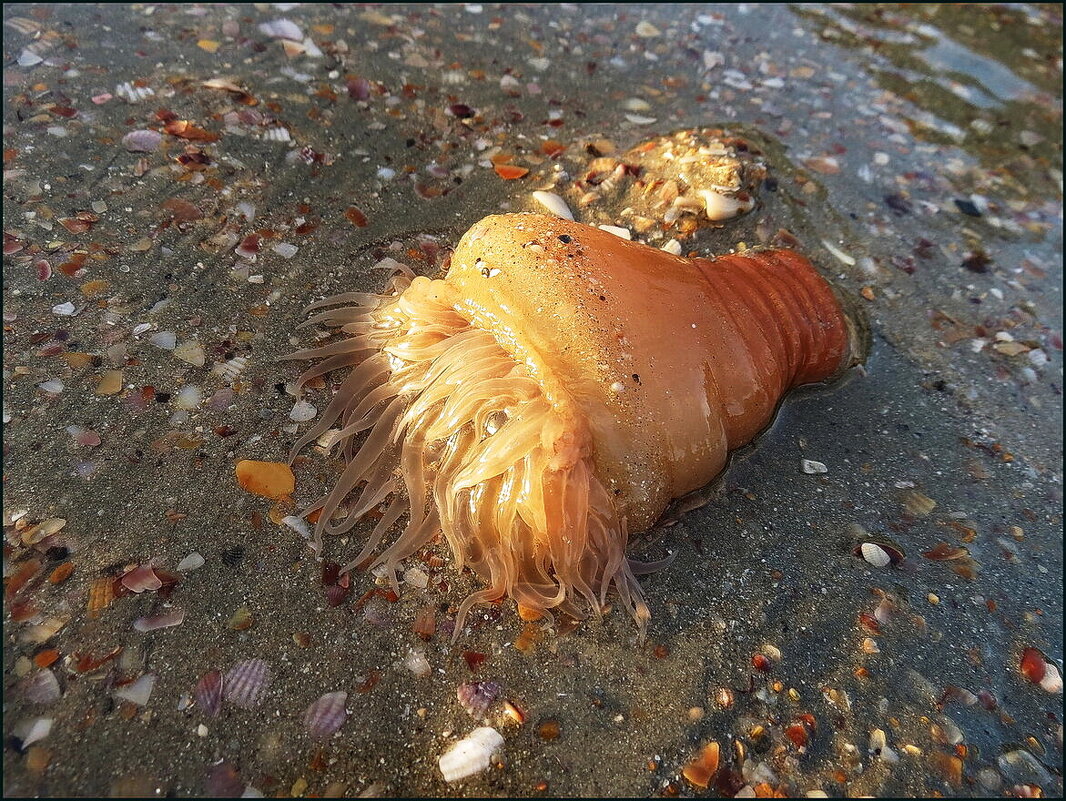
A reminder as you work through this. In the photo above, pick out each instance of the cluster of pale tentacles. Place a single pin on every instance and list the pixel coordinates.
(459, 437)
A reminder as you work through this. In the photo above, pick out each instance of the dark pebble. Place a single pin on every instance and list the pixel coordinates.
(898, 203)
(977, 263)
(232, 556)
(967, 208)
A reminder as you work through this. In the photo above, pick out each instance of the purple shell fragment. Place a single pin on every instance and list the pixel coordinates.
(142, 141)
(42, 687)
(326, 715)
(223, 781)
(477, 696)
(172, 617)
(208, 693)
(141, 578)
(246, 682)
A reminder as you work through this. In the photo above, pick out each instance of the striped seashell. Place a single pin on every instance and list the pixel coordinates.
(208, 693)
(101, 594)
(133, 94)
(229, 371)
(470, 755)
(246, 682)
(326, 715)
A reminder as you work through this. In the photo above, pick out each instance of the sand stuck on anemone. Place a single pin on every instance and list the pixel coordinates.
(554, 392)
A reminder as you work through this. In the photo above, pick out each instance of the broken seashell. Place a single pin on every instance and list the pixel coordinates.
(138, 692)
(208, 693)
(701, 770)
(191, 562)
(140, 579)
(30, 731)
(724, 207)
(42, 687)
(172, 617)
(477, 696)
(416, 662)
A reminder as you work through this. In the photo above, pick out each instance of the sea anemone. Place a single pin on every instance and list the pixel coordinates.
(555, 391)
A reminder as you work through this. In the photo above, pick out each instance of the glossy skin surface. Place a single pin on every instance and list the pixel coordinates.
(660, 364)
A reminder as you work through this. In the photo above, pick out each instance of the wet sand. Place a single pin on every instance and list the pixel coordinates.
(162, 237)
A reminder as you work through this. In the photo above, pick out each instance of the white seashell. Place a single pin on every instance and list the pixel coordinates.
(229, 371)
(673, 247)
(27, 58)
(133, 94)
(285, 249)
(277, 134)
(188, 397)
(52, 386)
(622, 233)
(637, 119)
(1052, 681)
(30, 731)
(840, 254)
(470, 755)
(137, 693)
(303, 411)
(191, 562)
(299, 525)
(191, 352)
(875, 554)
(553, 203)
(282, 29)
(63, 309)
(416, 662)
(812, 468)
(416, 578)
(723, 207)
(326, 715)
(636, 104)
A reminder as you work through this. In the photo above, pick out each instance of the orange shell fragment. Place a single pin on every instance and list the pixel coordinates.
(268, 479)
(509, 172)
(101, 594)
(701, 770)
